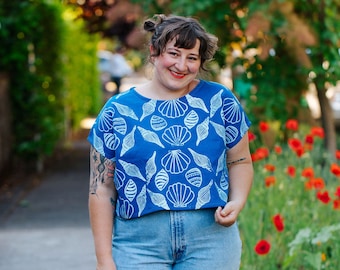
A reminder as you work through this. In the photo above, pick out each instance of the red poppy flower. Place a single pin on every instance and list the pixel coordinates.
(318, 132)
(294, 143)
(269, 167)
(251, 136)
(323, 196)
(278, 149)
(337, 192)
(337, 154)
(309, 139)
(278, 222)
(308, 172)
(309, 184)
(291, 170)
(292, 124)
(269, 180)
(318, 183)
(335, 169)
(260, 153)
(336, 204)
(264, 126)
(262, 247)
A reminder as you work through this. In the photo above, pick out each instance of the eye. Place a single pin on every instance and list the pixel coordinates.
(193, 58)
(173, 53)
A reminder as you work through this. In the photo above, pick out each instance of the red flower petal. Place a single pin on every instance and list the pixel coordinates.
(262, 247)
(278, 222)
(323, 197)
(292, 124)
(264, 126)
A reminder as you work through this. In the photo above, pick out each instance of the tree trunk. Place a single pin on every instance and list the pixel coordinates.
(327, 120)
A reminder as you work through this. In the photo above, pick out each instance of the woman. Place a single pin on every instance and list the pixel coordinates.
(170, 162)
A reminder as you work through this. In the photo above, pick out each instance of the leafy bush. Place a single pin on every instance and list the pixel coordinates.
(291, 220)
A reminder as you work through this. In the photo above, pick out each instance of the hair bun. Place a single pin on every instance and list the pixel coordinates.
(149, 26)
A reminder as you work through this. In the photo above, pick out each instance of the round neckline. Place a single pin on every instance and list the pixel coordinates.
(196, 88)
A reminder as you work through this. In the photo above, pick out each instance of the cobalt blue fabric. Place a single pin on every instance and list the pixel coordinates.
(170, 154)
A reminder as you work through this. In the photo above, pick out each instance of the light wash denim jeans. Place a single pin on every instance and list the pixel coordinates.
(179, 240)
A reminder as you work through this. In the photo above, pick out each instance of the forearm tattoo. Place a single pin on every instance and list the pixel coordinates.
(101, 170)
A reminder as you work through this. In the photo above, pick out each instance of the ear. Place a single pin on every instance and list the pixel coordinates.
(151, 49)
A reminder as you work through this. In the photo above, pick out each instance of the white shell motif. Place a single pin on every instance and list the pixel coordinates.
(111, 141)
(203, 195)
(161, 179)
(119, 125)
(148, 108)
(150, 136)
(194, 177)
(223, 196)
(175, 161)
(231, 134)
(105, 119)
(150, 167)
(191, 119)
(119, 179)
(157, 123)
(125, 110)
(173, 108)
(215, 103)
(176, 135)
(196, 103)
(130, 190)
(126, 210)
(231, 110)
(141, 200)
(180, 195)
(158, 199)
(202, 131)
(201, 160)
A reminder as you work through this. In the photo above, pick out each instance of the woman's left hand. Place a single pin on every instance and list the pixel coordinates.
(227, 216)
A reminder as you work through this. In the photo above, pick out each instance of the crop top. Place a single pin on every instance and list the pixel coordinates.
(170, 154)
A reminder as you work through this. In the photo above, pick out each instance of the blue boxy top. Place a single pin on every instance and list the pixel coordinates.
(170, 154)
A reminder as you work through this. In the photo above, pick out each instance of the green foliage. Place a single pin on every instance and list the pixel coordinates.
(54, 82)
(31, 39)
(82, 90)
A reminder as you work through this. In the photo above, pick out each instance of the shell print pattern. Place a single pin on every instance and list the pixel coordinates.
(173, 108)
(128, 141)
(158, 123)
(201, 160)
(159, 200)
(150, 167)
(194, 177)
(176, 135)
(141, 200)
(150, 136)
(196, 103)
(130, 190)
(221, 193)
(221, 163)
(231, 134)
(148, 108)
(191, 119)
(202, 131)
(161, 179)
(220, 130)
(111, 141)
(119, 125)
(126, 210)
(180, 195)
(231, 110)
(175, 161)
(215, 103)
(98, 143)
(119, 179)
(125, 110)
(105, 120)
(204, 195)
(132, 170)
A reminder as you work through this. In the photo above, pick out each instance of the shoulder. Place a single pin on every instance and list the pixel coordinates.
(216, 88)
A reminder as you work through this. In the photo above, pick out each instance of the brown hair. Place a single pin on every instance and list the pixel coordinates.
(186, 30)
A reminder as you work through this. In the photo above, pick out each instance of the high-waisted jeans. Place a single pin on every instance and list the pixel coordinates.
(180, 240)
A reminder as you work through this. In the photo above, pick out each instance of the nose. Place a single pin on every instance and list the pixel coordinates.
(181, 64)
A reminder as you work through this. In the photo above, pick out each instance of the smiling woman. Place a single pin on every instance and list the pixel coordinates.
(171, 153)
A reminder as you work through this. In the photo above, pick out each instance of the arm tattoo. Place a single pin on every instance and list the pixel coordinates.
(101, 170)
(235, 161)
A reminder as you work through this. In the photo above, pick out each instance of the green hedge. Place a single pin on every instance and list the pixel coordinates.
(53, 77)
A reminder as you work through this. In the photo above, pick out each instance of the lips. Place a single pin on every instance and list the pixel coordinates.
(177, 75)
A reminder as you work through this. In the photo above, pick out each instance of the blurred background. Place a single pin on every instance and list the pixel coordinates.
(281, 58)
